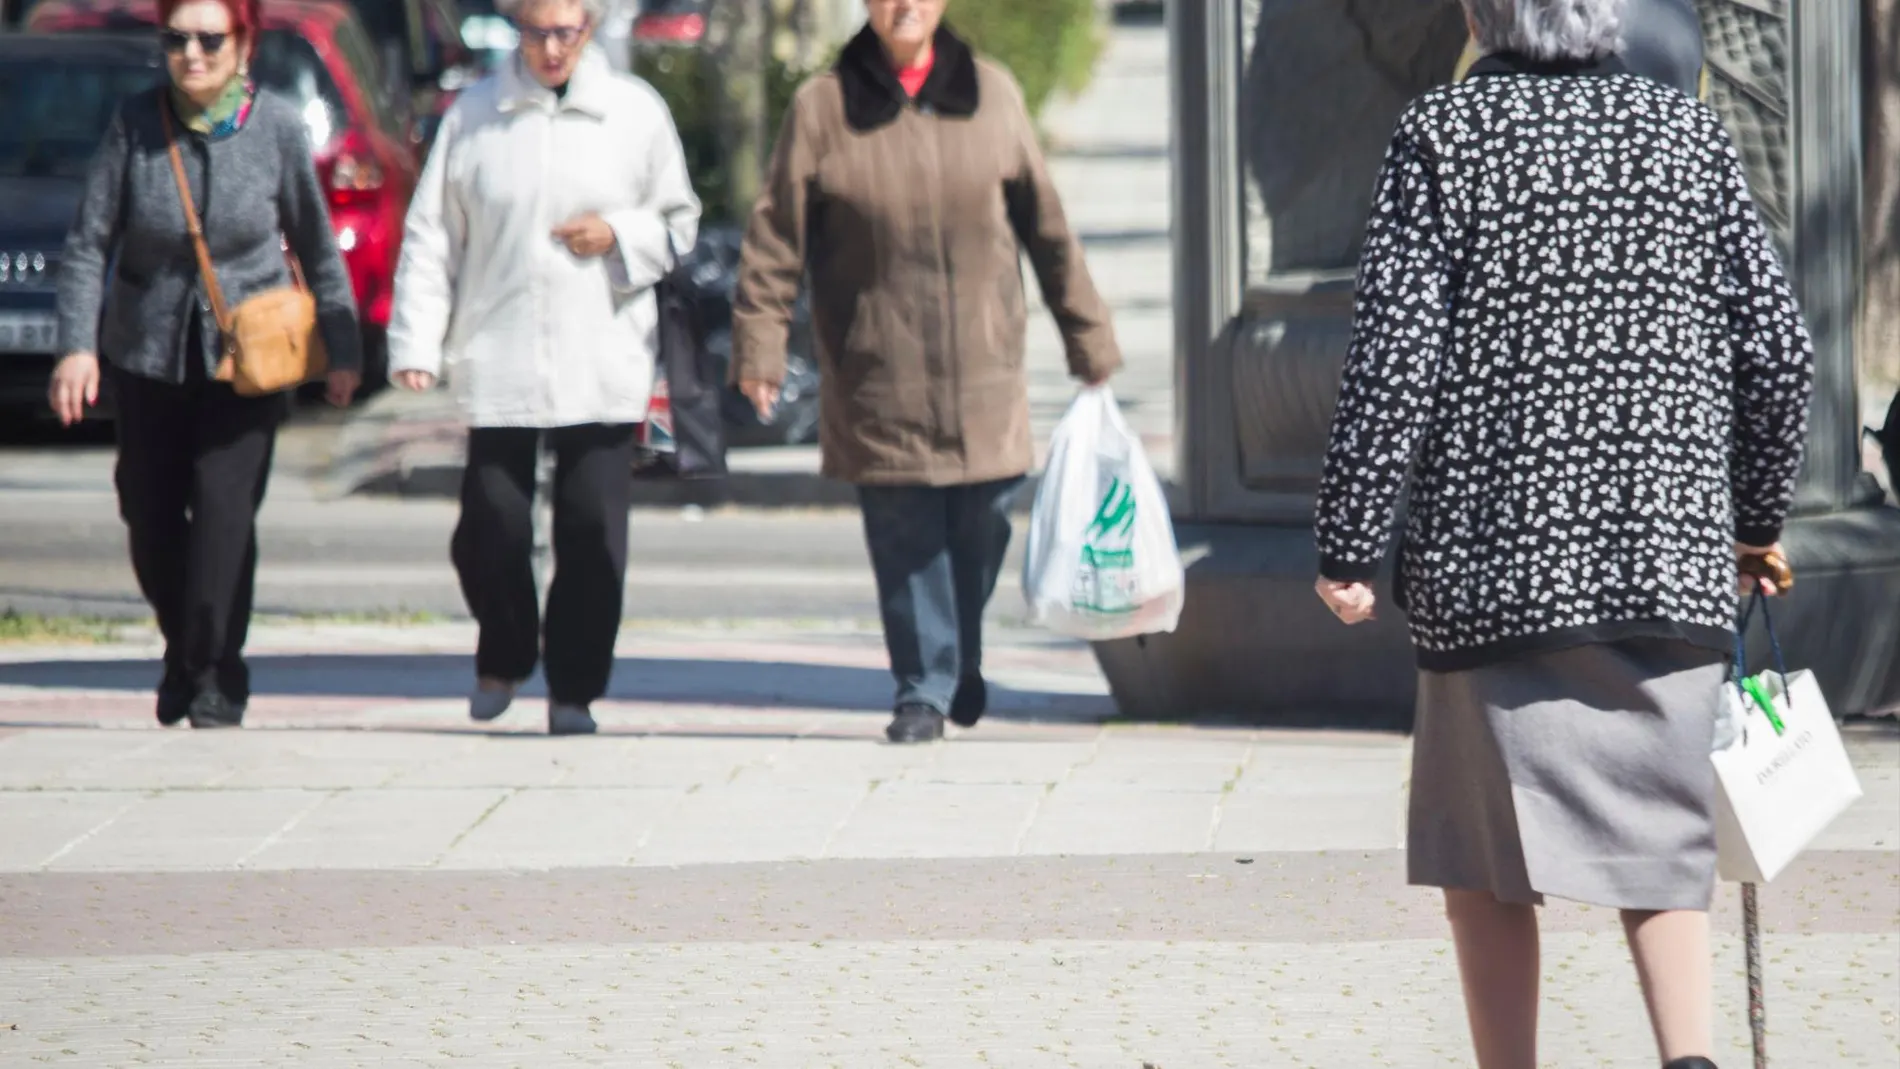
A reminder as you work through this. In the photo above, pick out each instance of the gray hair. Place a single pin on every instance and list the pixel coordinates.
(596, 9)
(1549, 29)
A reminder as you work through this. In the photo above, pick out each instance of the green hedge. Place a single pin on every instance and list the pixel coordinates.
(1049, 45)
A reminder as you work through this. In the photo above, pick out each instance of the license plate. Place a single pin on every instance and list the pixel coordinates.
(28, 332)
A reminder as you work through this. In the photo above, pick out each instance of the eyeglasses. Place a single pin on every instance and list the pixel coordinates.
(565, 36)
(176, 41)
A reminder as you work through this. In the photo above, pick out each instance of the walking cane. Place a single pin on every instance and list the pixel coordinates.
(1774, 568)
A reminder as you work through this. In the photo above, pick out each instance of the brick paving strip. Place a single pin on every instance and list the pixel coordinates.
(1283, 898)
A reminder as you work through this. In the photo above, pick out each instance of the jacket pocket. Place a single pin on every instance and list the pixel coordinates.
(882, 373)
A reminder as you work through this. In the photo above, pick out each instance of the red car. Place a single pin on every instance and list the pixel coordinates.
(317, 55)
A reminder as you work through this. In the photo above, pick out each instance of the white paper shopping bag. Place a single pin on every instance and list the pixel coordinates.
(1782, 779)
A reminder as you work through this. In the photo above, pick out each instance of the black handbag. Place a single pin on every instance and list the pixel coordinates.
(692, 442)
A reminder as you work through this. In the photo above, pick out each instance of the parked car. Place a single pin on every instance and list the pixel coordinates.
(316, 54)
(60, 94)
(670, 22)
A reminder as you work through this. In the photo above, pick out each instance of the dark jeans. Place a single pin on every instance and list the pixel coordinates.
(493, 550)
(936, 551)
(194, 459)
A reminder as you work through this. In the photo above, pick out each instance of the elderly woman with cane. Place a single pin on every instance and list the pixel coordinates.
(554, 199)
(1574, 334)
(908, 182)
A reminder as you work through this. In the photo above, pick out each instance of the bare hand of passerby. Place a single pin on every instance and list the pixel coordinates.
(762, 394)
(75, 386)
(1351, 602)
(586, 236)
(342, 386)
(415, 380)
(1764, 568)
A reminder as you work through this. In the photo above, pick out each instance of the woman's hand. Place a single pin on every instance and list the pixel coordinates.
(762, 394)
(1759, 565)
(586, 236)
(75, 386)
(415, 380)
(342, 387)
(1351, 602)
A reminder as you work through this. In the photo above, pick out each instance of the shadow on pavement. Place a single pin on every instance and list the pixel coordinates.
(408, 676)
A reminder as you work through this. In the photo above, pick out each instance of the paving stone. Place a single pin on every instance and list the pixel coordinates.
(728, 822)
(394, 828)
(40, 824)
(565, 828)
(909, 819)
(974, 761)
(187, 830)
(44, 758)
(1077, 819)
(674, 761)
(1262, 821)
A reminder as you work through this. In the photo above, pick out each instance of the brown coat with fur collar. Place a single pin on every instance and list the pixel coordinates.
(910, 217)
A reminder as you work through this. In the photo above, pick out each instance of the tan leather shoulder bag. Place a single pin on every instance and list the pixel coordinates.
(271, 342)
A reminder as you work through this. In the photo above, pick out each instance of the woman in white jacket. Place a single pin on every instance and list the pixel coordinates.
(555, 197)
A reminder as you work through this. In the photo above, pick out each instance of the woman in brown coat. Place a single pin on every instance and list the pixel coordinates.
(907, 182)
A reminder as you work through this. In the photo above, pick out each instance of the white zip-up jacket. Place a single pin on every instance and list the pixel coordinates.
(525, 333)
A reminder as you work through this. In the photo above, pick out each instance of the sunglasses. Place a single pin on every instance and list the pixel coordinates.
(176, 41)
(565, 36)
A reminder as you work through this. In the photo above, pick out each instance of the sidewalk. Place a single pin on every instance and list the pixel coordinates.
(1109, 158)
(739, 872)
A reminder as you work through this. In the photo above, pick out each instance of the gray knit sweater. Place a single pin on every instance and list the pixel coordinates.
(262, 183)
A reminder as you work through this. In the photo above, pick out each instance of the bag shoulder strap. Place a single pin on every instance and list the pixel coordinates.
(205, 270)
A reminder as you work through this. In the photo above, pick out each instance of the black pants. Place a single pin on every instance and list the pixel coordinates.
(194, 459)
(493, 551)
(936, 552)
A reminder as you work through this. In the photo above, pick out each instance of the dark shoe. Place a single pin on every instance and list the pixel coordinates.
(173, 705)
(971, 702)
(1691, 1063)
(213, 710)
(570, 720)
(915, 723)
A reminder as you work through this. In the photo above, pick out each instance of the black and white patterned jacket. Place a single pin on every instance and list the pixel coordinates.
(1573, 332)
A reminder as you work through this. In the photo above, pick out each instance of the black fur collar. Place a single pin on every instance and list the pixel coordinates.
(873, 96)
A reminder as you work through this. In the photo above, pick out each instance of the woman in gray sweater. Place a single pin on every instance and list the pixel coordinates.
(194, 456)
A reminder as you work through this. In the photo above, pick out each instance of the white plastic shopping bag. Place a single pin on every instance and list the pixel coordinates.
(1101, 560)
(1782, 776)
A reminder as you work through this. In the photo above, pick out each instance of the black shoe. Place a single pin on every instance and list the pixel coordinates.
(213, 710)
(1691, 1063)
(971, 702)
(915, 723)
(173, 705)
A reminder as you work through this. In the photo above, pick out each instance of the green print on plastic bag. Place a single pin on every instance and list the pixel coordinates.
(1105, 581)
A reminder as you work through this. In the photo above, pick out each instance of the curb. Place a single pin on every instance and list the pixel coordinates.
(746, 489)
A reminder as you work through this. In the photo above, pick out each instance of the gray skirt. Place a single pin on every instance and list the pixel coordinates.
(1579, 773)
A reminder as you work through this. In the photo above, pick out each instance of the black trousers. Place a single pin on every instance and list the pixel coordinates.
(194, 460)
(936, 552)
(493, 551)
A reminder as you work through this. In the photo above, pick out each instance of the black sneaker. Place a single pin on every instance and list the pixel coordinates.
(915, 723)
(174, 704)
(1691, 1063)
(213, 710)
(971, 702)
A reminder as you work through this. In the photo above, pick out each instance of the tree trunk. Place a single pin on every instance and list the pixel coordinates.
(740, 36)
(1880, 192)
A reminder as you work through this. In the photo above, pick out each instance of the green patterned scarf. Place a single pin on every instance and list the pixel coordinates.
(226, 114)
